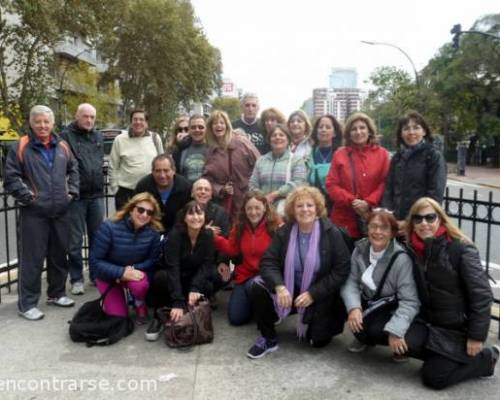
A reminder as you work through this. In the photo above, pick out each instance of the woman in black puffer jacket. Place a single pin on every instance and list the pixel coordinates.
(417, 170)
(455, 295)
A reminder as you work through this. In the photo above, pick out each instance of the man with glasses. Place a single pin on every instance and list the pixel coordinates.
(171, 190)
(131, 155)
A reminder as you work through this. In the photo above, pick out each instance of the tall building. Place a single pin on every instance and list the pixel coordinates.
(343, 78)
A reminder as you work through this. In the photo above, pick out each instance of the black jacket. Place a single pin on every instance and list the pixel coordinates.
(453, 287)
(87, 147)
(334, 269)
(34, 184)
(414, 174)
(181, 194)
(188, 269)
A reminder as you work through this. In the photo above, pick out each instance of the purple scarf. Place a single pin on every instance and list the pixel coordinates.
(308, 273)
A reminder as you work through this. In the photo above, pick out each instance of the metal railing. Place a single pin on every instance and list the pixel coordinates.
(478, 214)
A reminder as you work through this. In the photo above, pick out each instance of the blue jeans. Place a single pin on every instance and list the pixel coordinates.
(86, 214)
(239, 309)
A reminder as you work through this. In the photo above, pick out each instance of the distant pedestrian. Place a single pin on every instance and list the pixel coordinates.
(250, 123)
(131, 156)
(356, 178)
(42, 175)
(87, 212)
(417, 170)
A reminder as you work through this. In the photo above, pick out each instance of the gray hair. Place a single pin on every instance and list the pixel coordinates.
(39, 109)
(85, 106)
(249, 95)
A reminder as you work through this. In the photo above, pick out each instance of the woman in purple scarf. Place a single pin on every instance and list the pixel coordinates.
(302, 272)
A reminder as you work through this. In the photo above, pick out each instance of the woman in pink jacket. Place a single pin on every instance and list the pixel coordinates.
(355, 182)
(230, 161)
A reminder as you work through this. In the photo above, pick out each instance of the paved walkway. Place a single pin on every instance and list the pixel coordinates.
(483, 176)
(39, 355)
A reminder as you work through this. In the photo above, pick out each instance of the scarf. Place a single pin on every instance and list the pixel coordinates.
(308, 273)
(419, 245)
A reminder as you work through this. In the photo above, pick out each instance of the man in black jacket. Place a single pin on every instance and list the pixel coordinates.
(42, 175)
(172, 191)
(88, 211)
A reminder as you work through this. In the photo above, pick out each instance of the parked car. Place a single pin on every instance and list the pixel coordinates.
(109, 135)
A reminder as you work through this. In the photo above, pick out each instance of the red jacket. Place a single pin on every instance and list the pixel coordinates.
(371, 164)
(252, 245)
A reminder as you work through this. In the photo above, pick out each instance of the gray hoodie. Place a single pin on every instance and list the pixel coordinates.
(399, 282)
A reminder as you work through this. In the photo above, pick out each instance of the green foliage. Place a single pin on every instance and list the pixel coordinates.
(162, 59)
(230, 105)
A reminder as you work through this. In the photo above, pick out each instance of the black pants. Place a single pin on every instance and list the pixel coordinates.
(122, 195)
(42, 239)
(266, 316)
(373, 333)
(158, 294)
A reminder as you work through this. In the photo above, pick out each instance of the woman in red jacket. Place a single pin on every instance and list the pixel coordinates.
(355, 182)
(249, 238)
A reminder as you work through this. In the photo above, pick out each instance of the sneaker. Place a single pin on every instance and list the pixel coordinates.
(495, 354)
(154, 329)
(33, 314)
(400, 358)
(141, 314)
(278, 321)
(356, 346)
(62, 301)
(261, 347)
(77, 288)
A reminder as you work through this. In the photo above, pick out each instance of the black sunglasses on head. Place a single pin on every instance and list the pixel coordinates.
(429, 218)
(142, 210)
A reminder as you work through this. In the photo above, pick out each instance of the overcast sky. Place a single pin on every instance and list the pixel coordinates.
(282, 49)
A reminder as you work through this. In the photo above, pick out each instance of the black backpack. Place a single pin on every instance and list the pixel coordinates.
(93, 326)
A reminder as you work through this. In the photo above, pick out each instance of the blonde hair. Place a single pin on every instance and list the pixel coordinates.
(173, 135)
(299, 193)
(228, 135)
(359, 116)
(451, 228)
(130, 205)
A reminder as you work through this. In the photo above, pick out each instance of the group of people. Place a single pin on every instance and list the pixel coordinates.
(315, 220)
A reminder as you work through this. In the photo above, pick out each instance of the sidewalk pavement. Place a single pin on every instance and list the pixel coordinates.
(483, 176)
(39, 355)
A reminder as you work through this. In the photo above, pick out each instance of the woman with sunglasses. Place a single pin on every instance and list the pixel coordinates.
(455, 295)
(372, 258)
(418, 169)
(180, 132)
(187, 271)
(124, 252)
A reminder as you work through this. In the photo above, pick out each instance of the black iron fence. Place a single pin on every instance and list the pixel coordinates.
(476, 217)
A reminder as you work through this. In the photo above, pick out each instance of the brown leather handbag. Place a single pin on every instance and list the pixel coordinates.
(195, 326)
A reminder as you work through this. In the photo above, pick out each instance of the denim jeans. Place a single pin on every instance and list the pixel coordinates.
(86, 214)
(239, 309)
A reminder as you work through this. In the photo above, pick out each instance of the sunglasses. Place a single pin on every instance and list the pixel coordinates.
(182, 129)
(429, 218)
(142, 210)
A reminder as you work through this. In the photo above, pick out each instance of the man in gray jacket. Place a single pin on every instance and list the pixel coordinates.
(41, 173)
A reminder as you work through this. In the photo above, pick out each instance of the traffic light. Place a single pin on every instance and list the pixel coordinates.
(456, 31)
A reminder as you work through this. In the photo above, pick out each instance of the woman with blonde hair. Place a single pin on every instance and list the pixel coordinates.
(455, 295)
(229, 163)
(357, 174)
(300, 129)
(124, 252)
(302, 272)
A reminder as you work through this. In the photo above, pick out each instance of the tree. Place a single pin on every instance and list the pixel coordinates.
(29, 33)
(162, 59)
(231, 105)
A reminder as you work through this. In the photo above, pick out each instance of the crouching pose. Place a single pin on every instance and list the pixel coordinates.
(302, 271)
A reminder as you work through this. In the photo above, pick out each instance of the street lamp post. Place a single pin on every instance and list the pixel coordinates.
(417, 80)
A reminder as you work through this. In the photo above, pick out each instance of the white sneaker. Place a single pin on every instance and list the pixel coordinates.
(77, 288)
(33, 314)
(62, 301)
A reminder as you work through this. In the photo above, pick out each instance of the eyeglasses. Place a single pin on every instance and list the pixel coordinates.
(429, 218)
(199, 127)
(382, 228)
(182, 129)
(142, 210)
